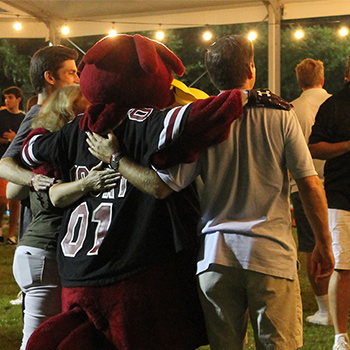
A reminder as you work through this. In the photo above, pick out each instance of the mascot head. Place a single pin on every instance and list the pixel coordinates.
(122, 72)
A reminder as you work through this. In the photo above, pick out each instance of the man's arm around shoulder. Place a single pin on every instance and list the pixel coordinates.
(146, 180)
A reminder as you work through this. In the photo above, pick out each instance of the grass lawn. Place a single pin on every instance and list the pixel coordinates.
(315, 337)
(10, 315)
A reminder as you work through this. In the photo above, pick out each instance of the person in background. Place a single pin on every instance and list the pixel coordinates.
(329, 140)
(10, 120)
(32, 101)
(310, 76)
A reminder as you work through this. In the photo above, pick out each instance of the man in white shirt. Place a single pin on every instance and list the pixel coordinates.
(310, 76)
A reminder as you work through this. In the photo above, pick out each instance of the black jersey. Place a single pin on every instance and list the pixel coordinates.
(106, 237)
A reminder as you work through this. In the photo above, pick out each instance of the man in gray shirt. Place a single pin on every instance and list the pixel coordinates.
(50, 68)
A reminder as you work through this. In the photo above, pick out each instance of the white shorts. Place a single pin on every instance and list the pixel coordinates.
(339, 226)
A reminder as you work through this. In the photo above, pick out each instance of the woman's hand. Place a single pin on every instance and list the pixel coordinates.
(100, 179)
(97, 180)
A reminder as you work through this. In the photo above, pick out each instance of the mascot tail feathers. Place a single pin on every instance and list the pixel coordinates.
(86, 337)
(70, 330)
(50, 334)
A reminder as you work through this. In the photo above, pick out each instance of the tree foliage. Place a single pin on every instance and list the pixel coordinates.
(14, 66)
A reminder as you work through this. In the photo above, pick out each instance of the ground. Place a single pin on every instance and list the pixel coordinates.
(315, 337)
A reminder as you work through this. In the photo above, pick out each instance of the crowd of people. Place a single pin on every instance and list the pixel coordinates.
(116, 223)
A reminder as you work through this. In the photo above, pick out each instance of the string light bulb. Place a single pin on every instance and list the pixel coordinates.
(343, 31)
(207, 35)
(160, 35)
(65, 30)
(17, 26)
(299, 34)
(252, 35)
(112, 32)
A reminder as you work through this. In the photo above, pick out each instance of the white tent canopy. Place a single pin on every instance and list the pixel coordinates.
(43, 19)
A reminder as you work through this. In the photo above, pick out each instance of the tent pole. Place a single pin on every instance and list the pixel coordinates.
(54, 34)
(274, 10)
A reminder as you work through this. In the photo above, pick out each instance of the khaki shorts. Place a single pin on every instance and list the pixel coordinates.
(339, 226)
(229, 295)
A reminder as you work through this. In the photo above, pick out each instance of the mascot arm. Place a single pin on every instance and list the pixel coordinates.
(28, 156)
(207, 124)
(33, 160)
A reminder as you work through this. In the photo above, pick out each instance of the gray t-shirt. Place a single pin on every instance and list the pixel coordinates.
(245, 206)
(14, 152)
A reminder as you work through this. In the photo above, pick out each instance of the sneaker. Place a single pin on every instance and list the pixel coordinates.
(2, 240)
(11, 241)
(321, 318)
(17, 301)
(341, 345)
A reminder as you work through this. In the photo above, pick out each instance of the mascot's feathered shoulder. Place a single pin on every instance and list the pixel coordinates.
(266, 98)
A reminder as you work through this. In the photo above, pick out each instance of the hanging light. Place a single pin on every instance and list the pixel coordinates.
(207, 34)
(65, 30)
(160, 35)
(343, 31)
(112, 32)
(299, 34)
(17, 25)
(252, 35)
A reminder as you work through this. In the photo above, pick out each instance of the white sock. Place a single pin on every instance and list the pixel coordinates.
(341, 335)
(323, 303)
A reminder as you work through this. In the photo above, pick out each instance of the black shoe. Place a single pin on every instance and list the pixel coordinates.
(1, 239)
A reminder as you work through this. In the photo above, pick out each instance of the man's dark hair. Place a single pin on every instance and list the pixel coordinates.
(13, 90)
(227, 61)
(49, 58)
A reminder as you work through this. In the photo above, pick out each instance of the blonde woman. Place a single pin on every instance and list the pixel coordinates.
(35, 267)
